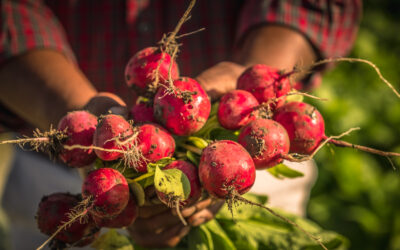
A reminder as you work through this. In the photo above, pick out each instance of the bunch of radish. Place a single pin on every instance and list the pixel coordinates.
(176, 141)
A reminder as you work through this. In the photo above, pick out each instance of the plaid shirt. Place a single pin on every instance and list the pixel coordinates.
(101, 35)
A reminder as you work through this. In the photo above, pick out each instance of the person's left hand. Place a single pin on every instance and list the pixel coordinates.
(220, 79)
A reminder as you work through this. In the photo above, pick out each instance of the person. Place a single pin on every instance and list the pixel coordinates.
(58, 56)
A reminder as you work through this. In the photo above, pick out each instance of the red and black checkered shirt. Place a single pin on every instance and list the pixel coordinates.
(101, 35)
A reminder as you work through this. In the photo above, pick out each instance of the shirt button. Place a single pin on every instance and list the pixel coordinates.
(144, 27)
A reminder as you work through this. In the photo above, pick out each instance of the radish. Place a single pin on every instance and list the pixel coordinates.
(140, 72)
(265, 83)
(143, 112)
(235, 108)
(184, 111)
(110, 129)
(304, 125)
(153, 143)
(107, 190)
(123, 219)
(192, 174)
(266, 141)
(226, 169)
(54, 210)
(79, 127)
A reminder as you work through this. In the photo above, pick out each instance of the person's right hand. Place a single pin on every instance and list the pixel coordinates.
(159, 226)
(105, 102)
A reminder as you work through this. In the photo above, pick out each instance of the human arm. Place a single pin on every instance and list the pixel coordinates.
(40, 81)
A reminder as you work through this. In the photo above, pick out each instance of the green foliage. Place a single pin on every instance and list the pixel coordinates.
(112, 240)
(358, 194)
(251, 228)
(282, 171)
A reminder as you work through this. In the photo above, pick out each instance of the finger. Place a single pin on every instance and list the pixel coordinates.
(119, 110)
(103, 102)
(150, 211)
(186, 212)
(205, 215)
(168, 238)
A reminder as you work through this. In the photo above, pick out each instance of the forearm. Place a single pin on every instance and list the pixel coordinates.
(276, 46)
(42, 85)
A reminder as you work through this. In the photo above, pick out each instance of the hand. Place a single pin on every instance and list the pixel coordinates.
(159, 226)
(220, 78)
(105, 102)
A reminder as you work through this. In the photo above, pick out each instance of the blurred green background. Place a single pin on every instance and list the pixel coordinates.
(358, 194)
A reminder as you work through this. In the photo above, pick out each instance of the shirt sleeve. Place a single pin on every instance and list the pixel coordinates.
(27, 25)
(330, 26)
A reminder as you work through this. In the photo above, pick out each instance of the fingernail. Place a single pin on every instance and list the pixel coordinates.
(197, 222)
(185, 230)
(118, 110)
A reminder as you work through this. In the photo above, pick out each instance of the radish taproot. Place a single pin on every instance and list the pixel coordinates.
(235, 108)
(141, 70)
(79, 127)
(110, 132)
(226, 169)
(54, 210)
(185, 110)
(107, 191)
(265, 83)
(266, 141)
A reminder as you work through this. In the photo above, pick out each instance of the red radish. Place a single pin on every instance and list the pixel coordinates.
(265, 83)
(266, 141)
(154, 143)
(235, 108)
(80, 127)
(226, 168)
(123, 219)
(185, 111)
(143, 112)
(109, 192)
(304, 124)
(141, 69)
(110, 128)
(53, 211)
(192, 174)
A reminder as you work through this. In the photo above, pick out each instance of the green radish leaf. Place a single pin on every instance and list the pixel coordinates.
(98, 163)
(200, 238)
(151, 167)
(256, 228)
(172, 182)
(147, 182)
(138, 192)
(198, 142)
(223, 134)
(281, 171)
(214, 108)
(212, 122)
(131, 173)
(219, 236)
(194, 158)
(274, 172)
(293, 97)
(112, 240)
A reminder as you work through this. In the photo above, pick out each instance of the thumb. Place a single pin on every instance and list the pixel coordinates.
(105, 102)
